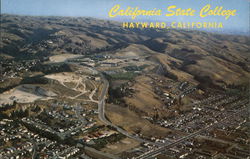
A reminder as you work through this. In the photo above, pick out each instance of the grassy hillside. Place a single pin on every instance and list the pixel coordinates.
(192, 56)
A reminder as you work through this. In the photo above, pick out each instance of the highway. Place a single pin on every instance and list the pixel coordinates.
(151, 154)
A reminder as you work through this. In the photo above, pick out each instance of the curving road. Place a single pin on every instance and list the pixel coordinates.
(102, 117)
(101, 110)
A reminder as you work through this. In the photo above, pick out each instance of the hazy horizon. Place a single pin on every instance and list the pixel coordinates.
(100, 8)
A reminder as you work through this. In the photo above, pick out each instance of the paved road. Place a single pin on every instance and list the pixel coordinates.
(101, 110)
(102, 117)
(34, 153)
(151, 154)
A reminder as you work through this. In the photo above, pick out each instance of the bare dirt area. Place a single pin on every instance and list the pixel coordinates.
(64, 77)
(63, 57)
(70, 80)
(80, 84)
(25, 94)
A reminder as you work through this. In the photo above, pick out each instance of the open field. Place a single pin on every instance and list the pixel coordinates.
(121, 146)
(133, 123)
(63, 57)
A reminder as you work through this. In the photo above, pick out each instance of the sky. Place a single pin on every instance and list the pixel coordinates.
(100, 9)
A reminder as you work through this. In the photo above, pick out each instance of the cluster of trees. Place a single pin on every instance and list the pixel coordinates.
(19, 113)
(100, 143)
(52, 68)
